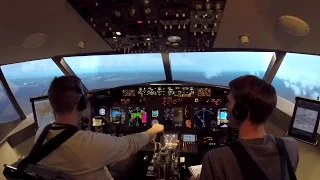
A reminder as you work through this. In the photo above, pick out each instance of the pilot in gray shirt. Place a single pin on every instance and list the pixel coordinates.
(86, 154)
(251, 102)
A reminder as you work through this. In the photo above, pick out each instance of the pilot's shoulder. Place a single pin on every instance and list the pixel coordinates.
(90, 136)
(219, 153)
(290, 143)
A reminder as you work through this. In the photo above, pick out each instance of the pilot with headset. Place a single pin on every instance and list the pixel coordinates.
(85, 154)
(256, 154)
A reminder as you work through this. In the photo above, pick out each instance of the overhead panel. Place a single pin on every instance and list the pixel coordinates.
(154, 26)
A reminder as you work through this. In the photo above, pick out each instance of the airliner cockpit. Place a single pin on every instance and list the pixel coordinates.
(159, 62)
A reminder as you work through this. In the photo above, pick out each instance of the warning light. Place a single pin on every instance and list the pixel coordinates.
(140, 22)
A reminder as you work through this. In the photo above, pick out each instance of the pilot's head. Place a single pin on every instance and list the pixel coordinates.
(250, 99)
(67, 98)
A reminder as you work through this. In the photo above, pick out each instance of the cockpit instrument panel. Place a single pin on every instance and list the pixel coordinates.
(129, 92)
(204, 92)
(151, 91)
(182, 107)
(181, 91)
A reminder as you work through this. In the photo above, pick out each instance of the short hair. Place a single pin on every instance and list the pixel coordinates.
(259, 96)
(63, 94)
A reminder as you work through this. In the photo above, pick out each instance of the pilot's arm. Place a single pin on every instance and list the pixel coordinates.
(106, 149)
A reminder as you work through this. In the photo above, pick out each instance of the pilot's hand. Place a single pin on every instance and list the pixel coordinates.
(154, 130)
(158, 128)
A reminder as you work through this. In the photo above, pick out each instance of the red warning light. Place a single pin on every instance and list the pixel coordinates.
(140, 22)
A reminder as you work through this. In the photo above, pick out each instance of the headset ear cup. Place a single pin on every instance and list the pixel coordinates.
(240, 111)
(82, 103)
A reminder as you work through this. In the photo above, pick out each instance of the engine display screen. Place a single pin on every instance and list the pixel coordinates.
(117, 115)
(189, 138)
(204, 118)
(222, 118)
(171, 140)
(137, 116)
(173, 117)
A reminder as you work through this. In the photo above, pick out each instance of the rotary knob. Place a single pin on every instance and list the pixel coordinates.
(196, 100)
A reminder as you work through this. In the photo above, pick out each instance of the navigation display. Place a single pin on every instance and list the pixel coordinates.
(137, 116)
(117, 115)
(204, 118)
(44, 112)
(189, 138)
(173, 117)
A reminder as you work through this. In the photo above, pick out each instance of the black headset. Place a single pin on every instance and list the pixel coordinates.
(82, 104)
(240, 110)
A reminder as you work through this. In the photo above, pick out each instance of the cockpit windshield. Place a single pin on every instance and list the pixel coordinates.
(30, 79)
(297, 75)
(218, 68)
(107, 71)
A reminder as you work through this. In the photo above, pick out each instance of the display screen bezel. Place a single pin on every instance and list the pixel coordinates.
(33, 100)
(298, 133)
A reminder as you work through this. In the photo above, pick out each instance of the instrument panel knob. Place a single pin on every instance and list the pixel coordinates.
(218, 6)
(117, 13)
(208, 6)
(147, 11)
(132, 12)
(198, 7)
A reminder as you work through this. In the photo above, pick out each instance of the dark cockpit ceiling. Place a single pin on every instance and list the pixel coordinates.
(64, 26)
